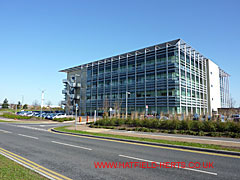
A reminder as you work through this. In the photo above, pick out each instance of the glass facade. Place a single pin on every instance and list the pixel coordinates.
(168, 78)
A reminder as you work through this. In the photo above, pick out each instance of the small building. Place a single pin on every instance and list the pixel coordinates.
(228, 111)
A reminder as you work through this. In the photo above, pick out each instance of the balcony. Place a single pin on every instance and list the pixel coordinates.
(65, 81)
(76, 85)
(64, 91)
(63, 102)
(71, 96)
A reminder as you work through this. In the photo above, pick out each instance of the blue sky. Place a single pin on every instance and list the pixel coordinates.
(40, 37)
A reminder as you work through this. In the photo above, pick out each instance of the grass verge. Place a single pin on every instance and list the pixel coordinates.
(10, 170)
(6, 121)
(207, 146)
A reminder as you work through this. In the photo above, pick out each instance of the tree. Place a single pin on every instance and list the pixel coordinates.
(35, 104)
(5, 103)
(60, 104)
(232, 102)
(49, 103)
(25, 106)
(117, 107)
(19, 105)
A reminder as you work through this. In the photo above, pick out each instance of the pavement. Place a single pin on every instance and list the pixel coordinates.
(74, 156)
(226, 142)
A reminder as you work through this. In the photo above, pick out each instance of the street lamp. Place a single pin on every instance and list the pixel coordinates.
(76, 117)
(42, 100)
(127, 93)
(76, 108)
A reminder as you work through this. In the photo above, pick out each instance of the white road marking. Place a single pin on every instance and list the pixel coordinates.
(27, 136)
(5, 131)
(46, 125)
(29, 127)
(190, 169)
(71, 145)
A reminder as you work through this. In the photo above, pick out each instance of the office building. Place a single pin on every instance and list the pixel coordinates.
(171, 77)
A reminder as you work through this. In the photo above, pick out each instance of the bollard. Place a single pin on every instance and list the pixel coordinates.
(87, 119)
(80, 119)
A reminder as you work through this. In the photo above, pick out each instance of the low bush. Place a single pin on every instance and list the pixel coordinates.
(64, 119)
(191, 127)
(14, 116)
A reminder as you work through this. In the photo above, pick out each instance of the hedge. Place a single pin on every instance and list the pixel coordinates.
(175, 124)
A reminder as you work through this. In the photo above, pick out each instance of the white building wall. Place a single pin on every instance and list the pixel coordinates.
(214, 99)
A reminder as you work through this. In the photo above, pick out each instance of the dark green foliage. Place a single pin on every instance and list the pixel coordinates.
(63, 119)
(25, 106)
(19, 105)
(191, 127)
(13, 116)
(5, 104)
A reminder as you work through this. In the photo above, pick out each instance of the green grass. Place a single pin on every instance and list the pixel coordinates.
(14, 116)
(207, 146)
(9, 110)
(6, 121)
(10, 170)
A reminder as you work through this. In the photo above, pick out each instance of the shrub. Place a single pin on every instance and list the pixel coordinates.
(13, 116)
(173, 131)
(155, 123)
(146, 123)
(185, 125)
(119, 122)
(153, 130)
(200, 133)
(64, 119)
(197, 126)
(209, 126)
(233, 127)
(222, 126)
(164, 124)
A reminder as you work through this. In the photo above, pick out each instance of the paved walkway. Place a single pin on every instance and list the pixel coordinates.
(227, 143)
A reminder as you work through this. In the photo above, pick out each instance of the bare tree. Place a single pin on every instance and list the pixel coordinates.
(117, 107)
(106, 107)
(35, 104)
(49, 103)
(232, 102)
(60, 104)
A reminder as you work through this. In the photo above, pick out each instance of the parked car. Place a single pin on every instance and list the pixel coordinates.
(208, 117)
(162, 117)
(59, 115)
(149, 116)
(195, 116)
(236, 117)
(50, 116)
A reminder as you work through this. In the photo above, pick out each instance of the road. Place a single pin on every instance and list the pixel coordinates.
(74, 157)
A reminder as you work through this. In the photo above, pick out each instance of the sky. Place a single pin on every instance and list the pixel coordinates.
(38, 38)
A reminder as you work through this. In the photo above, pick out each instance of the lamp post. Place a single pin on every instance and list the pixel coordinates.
(76, 108)
(42, 99)
(76, 117)
(127, 93)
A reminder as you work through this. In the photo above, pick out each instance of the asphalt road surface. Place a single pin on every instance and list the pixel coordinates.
(75, 157)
